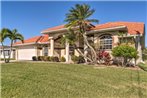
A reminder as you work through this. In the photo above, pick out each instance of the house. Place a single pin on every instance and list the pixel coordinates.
(7, 52)
(103, 36)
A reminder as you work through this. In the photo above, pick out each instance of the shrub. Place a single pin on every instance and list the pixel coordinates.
(126, 52)
(40, 58)
(48, 58)
(75, 59)
(104, 57)
(34, 58)
(81, 59)
(54, 59)
(45, 58)
(62, 59)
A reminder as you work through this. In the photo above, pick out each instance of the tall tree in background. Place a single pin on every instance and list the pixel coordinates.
(78, 16)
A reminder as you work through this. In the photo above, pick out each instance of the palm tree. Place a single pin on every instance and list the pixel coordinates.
(3, 36)
(13, 36)
(78, 16)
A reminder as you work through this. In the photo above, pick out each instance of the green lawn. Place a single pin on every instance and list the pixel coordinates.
(43, 80)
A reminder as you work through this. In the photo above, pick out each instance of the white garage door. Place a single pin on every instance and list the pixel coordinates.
(26, 53)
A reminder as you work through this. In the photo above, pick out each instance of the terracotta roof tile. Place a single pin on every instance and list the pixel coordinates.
(131, 26)
(36, 39)
(54, 28)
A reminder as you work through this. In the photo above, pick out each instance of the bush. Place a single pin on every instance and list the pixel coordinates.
(77, 59)
(34, 58)
(45, 58)
(81, 59)
(54, 59)
(48, 58)
(74, 58)
(40, 58)
(126, 52)
(104, 57)
(62, 59)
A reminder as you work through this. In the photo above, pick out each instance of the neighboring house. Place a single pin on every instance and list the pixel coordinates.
(7, 52)
(102, 36)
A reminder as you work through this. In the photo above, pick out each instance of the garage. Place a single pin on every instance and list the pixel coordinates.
(26, 52)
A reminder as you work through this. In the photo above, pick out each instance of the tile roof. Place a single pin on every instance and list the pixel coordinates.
(54, 28)
(36, 39)
(131, 26)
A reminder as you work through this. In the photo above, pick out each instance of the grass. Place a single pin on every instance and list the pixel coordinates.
(143, 66)
(55, 80)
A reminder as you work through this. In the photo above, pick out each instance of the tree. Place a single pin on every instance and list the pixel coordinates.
(13, 36)
(3, 36)
(78, 17)
(127, 53)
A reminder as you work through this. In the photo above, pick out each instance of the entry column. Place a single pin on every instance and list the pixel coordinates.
(67, 51)
(51, 46)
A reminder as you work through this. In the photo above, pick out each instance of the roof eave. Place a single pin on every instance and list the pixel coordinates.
(106, 29)
(54, 31)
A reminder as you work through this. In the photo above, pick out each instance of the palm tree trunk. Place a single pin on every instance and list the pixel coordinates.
(82, 54)
(3, 52)
(10, 51)
(87, 43)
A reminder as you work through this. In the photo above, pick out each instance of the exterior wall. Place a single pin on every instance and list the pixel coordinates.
(115, 40)
(76, 53)
(26, 52)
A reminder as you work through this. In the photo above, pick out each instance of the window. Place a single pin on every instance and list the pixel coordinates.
(105, 42)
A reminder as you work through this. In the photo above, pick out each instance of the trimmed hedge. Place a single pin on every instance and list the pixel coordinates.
(77, 59)
(62, 59)
(34, 58)
(45, 58)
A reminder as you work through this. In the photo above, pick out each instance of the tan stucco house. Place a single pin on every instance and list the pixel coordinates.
(103, 36)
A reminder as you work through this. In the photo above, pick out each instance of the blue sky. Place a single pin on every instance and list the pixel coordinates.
(31, 17)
